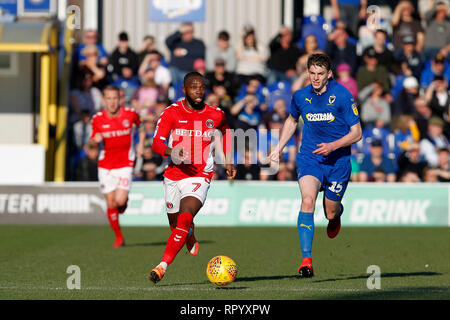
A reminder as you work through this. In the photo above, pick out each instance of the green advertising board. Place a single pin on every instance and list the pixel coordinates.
(278, 204)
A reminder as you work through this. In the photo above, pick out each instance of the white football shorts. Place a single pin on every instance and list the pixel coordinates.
(113, 179)
(174, 191)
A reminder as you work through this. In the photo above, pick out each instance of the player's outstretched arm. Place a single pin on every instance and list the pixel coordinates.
(289, 127)
(353, 136)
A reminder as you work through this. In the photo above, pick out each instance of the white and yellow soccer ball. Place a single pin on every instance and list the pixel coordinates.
(221, 270)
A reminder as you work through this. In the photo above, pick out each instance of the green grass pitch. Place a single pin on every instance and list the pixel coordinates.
(414, 264)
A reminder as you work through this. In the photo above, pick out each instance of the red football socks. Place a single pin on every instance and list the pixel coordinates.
(113, 217)
(178, 237)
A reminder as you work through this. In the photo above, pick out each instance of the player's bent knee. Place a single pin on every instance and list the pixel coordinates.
(308, 204)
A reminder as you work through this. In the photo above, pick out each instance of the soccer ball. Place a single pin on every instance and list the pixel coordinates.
(221, 270)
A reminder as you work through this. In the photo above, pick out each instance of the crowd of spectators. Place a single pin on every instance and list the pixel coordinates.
(398, 73)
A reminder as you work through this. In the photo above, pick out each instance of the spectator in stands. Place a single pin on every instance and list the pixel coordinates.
(409, 177)
(383, 54)
(411, 161)
(99, 79)
(128, 83)
(279, 108)
(371, 72)
(405, 23)
(373, 105)
(284, 54)
(378, 132)
(145, 97)
(162, 74)
(375, 160)
(90, 37)
(310, 46)
(421, 115)
(184, 50)
(379, 175)
(221, 50)
(225, 102)
(248, 170)
(443, 167)
(123, 57)
(251, 57)
(408, 53)
(82, 130)
(269, 138)
(220, 76)
(284, 173)
(350, 12)
(438, 98)
(199, 66)
(406, 133)
(437, 67)
(340, 50)
(148, 46)
(404, 103)
(430, 175)
(82, 97)
(245, 113)
(437, 31)
(253, 86)
(401, 71)
(434, 141)
(86, 169)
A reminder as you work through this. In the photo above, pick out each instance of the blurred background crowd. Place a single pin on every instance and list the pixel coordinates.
(398, 72)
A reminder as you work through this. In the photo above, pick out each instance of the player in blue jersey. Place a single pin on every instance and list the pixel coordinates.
(331, 126)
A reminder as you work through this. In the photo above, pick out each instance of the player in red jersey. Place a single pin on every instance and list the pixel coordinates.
(188, 127)
(114, 127)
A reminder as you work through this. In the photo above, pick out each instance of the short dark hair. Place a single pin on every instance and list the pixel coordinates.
(224, 35)
(190, 75)
(320, 60)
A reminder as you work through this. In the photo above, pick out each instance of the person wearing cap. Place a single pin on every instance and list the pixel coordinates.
(434, 141)
(371, 72)
(184, 50)
(411, 161)
(438, 66)
(220, 76)
(223, 50)
(438, 97)
(408, 53)
(376, 159)
(200, 66)
(437, 32)
(404, 103)
(124, 62)
(345, 78)
(405, 24)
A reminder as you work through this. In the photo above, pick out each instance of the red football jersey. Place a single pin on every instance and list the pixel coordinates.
(117, 133)
(193, 130)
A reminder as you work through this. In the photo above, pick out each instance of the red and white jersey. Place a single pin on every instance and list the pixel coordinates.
(117, 133)
(194, 131)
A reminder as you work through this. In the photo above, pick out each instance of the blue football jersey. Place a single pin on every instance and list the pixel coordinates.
(327, 117)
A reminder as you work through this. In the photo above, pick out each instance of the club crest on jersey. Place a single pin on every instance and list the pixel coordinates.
(126, 123)
(210, 123)
(169, 205)
(331, 99)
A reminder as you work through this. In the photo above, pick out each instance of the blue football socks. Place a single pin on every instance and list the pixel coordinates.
(305, 227)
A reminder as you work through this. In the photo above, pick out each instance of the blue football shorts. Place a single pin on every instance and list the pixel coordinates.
(334, 178)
